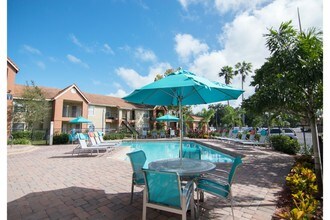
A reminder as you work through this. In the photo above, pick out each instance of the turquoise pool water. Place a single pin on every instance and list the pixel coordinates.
(170, 149)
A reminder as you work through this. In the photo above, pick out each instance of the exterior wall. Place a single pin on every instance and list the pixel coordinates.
(141, 122)
(72, 96)
(98, 118)
(11, 75)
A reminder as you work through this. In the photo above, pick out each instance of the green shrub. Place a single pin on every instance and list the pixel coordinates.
(38, 135)
(302, 183)
(284, 144)
(114, 136)
(22, 141)
(21, 135)
(302, 179)
(61, 138)
(305, 207)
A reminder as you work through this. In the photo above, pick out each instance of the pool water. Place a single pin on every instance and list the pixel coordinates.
(170, 149)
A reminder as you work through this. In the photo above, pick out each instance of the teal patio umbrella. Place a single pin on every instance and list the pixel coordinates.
(79, 120)
(167, 117)
(182, 88)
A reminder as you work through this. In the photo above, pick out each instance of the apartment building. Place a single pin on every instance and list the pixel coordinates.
(106, 113)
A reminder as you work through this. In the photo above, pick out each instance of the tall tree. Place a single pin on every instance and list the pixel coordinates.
(34, 108)
(291, 80)
(243, 69)
(228, 73)
(232, 117)
(206, 115)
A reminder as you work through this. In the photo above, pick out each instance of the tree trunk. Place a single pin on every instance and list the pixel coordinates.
(317, 155)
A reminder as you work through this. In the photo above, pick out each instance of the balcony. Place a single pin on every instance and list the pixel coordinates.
(71, 111)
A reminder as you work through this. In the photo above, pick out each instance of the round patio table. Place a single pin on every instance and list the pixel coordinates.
(184, 167)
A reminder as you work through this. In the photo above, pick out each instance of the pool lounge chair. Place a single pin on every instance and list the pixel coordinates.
(262, 141)
(218, 185)
(232, 136)
(83, 147)
(144, 134)
(164, 191)
(172, 133)
(96, 142)
(154, 134)
(100, 136)
(162, 134)
(238, 140)
(138, 159)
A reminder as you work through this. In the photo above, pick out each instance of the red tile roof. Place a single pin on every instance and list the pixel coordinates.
(94, 99)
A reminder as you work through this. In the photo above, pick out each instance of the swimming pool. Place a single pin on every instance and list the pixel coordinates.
(170, 149)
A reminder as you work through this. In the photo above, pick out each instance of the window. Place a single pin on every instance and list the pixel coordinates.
(90, 110)
(18, 107)
(18, 127)
(146, 115)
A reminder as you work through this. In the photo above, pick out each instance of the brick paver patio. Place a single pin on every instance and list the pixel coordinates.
(48, 183)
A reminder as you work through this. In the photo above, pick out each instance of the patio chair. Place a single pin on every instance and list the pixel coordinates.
(96, 141)
(218, 185)
(172, 133)
(138, 159)
(262, 140)
(144, 134)
(82, 147)
(99, 134)
(154, 134)
(164, 191)
(238, 140)
(251, 139)
(191, 153)
(231, 137)
(162, 134)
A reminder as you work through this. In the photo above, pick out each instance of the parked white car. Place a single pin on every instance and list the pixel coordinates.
(283, 131)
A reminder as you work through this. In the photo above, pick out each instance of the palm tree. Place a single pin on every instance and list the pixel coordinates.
(228, 73)
(206, 115)
(244, 69)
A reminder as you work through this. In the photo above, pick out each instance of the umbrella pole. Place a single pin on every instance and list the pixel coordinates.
(181, 126)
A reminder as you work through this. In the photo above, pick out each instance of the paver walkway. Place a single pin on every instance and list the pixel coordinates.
(48, 183)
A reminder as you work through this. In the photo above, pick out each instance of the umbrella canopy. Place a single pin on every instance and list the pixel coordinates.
(79, 120)
(183, 88)
(167, 118)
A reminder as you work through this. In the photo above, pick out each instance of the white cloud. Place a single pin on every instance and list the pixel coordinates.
(243, 39)
(145, 54)
(134, 80)
(31, 50)
(41, 65)
(186, 46)
(120, 93)
(107, 49)
(75, 40)
(76, 60)
(224, 6)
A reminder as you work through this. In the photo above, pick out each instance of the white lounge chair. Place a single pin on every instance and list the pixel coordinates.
(172, 133)
(262, 141)
(100, 136)
(82, 147)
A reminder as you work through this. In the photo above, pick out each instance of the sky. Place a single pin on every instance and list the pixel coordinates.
(112, 47)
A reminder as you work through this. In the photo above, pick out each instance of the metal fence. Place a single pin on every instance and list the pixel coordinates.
(36, 137)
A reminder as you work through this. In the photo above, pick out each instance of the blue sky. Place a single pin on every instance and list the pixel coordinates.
(112, 47)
